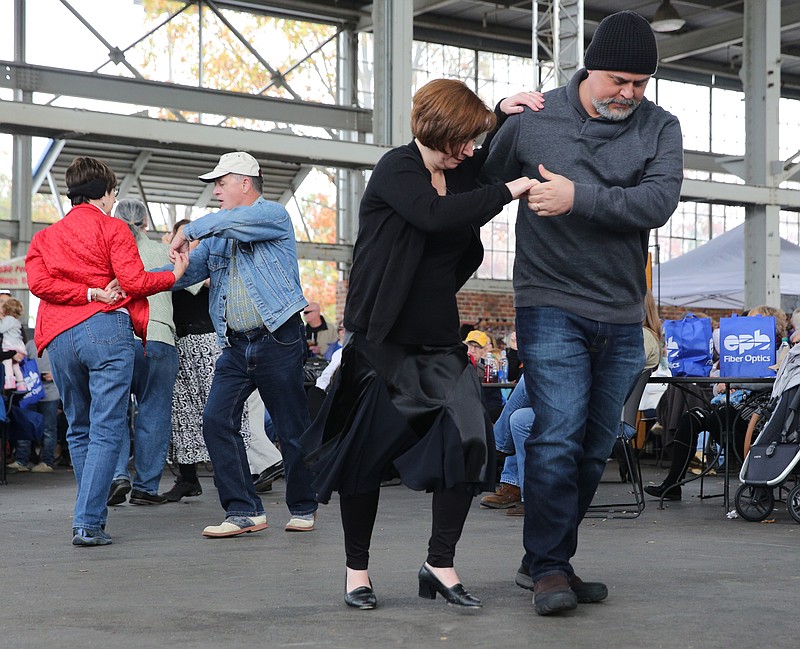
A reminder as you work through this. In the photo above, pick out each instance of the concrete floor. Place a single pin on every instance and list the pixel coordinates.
(685, 576)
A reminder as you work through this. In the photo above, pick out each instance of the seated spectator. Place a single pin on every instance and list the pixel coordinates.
(479, 346)
(316, 393)
(337, 344)
(707, 418)
(318, 334)
(512, 356)
(48, 408)
(510, 432)
(12, 341)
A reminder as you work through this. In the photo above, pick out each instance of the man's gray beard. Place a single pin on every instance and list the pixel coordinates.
(601, 106)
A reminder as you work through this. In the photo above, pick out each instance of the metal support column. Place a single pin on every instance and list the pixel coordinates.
(394, 29)
(349, 182)
(557, 41)
(21, 176)
(761, 77)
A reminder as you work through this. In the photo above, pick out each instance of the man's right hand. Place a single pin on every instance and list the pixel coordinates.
(179, 244)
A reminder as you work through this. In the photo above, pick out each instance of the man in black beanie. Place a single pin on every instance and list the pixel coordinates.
(610, 166)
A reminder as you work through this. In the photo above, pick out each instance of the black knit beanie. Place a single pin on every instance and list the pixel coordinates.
(623, 42)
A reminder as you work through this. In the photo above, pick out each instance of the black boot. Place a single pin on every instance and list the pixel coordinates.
(669, 492)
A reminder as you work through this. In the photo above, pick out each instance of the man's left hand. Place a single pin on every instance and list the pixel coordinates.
(552, 197)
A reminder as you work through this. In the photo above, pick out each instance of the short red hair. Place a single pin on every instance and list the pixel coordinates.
(446, 115)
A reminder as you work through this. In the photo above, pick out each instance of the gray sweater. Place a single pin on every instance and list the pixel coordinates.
(627, 176)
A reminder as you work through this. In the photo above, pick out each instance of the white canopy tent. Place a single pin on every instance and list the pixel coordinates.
(712, 275)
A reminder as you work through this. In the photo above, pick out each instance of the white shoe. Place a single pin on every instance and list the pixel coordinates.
(235, 525)
(17, 466)
(42, 468)
(297, 524)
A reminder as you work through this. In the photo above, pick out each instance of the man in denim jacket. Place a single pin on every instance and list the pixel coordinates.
(248, 249)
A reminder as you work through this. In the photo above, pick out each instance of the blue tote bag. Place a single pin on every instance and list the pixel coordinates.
(33, 381)
(747, 346)
(689, 345)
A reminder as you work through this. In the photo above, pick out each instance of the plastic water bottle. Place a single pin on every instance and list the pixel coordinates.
(490, 375)
(502, 371)
(782, 350)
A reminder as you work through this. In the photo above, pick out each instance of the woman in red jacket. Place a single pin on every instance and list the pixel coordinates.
(87, 272)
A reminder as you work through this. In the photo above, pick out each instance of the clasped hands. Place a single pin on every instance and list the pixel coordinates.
(552, 197)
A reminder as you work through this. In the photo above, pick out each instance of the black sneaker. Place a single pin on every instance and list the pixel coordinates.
(181, 489)
(268, 475)
(144, 498)
(119, 489)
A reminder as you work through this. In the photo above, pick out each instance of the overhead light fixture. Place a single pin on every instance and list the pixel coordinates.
(667, 18)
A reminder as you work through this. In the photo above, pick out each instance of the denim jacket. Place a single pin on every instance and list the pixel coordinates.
(267, 261)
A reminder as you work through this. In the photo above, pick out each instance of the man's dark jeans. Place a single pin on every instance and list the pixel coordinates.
(272, 363)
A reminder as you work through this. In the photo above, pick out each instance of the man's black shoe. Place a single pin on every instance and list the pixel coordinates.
(119, 489)
(269, 475)
(144, 498)
(552, 594)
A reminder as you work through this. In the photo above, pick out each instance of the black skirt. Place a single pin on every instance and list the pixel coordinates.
(408, 410)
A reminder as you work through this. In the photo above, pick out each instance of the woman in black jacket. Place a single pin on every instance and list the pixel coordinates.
(406, 399)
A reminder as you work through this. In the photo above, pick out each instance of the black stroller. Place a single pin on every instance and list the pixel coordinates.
(773, 459)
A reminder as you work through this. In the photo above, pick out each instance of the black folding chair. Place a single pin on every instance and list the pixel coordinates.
(628, 457)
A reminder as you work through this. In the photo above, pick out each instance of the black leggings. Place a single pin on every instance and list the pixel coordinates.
(449, 510)
(689, 427)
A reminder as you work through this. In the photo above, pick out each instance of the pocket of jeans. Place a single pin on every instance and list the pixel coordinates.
(108, 328)
(289, 333)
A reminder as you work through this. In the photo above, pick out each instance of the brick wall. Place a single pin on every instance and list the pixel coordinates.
(677, 312)
(495, 311)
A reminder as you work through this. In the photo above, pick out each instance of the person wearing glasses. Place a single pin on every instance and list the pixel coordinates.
(93, 288)
(406, 398)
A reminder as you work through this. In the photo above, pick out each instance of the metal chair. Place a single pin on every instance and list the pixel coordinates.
(629, 459)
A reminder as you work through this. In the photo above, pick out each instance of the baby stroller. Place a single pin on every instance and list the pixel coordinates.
(774, 456)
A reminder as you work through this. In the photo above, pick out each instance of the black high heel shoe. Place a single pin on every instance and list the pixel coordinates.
(457, 595)
(362, 597)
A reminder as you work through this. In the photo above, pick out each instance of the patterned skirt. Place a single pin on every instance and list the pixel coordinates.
(197, 355)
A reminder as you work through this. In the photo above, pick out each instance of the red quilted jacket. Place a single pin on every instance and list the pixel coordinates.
(87, 249)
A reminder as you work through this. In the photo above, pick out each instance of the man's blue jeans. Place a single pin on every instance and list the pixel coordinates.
(49, 410)
(92, 366)
(153, 381)
(578, 373)
(273, 364)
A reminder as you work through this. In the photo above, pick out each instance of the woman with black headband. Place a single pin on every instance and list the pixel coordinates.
(87, 272)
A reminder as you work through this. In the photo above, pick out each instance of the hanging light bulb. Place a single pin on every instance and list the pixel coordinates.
(667, 18)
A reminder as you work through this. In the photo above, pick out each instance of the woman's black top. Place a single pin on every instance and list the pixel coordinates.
(190, 313)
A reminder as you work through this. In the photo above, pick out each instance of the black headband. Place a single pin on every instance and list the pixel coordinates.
(95, 189)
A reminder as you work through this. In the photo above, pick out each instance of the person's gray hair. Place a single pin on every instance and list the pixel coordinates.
(133, 212)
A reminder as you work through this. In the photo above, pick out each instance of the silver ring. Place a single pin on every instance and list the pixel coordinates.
(536, 206)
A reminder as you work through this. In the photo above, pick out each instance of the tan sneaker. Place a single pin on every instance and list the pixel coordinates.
(507, 495)
(42, 468)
